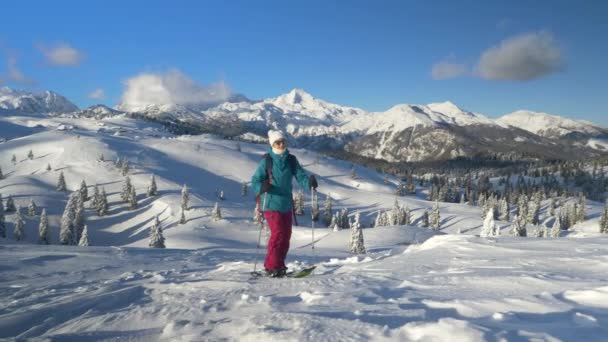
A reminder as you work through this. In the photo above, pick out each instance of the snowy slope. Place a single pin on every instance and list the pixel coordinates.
(546, 124)
(414, 284)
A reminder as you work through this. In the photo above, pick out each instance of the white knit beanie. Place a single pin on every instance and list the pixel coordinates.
(274, 136)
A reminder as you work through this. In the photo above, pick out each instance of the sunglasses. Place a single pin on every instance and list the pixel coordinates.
(279, 142)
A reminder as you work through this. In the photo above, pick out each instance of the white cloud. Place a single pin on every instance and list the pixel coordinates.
(97, 94)
(15, 74)
(62, 54)
(524, 57)
(445, 70)
(171, 87)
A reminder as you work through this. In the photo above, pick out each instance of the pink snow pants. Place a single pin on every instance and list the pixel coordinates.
(280, 233)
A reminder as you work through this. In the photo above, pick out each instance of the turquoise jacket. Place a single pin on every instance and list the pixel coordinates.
(280, 197)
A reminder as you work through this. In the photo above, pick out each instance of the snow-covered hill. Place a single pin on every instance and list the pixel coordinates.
(40, 103)
(413, 284)
(548, 125)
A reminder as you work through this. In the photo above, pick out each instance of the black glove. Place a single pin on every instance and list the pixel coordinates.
(312, 180)
(266, 186)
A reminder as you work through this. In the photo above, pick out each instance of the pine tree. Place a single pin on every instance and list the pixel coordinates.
(504, 210)
(61, 183)
(221, 196)
(133, 199)
(298, 203)
(539, 232)
(244, 189)
(335, 222)
(407, 216)
(102, 206)
(395, 213)
(124, 168)
(126, 190)
(314, 210)
(556, 228)
(79, 219)
(84, 192)
(580, 209)
(435, 218)
(48, 167)
(2, 220)
(84, 239)
(43, 229)
(31, 208)
(66, 230)
(603, 220)
(30, 155)
(343, 219)
(157, 240)
(96, 197)
(19, 231)
(552, 207)
(489, 226)
(518, 227)
(533, 213)
(216, 213)
(152, 190)
(10, 205)
(182, 217)
(378, 220)
(357, 245)
(327, 211)
(14, 159)
(185, 197)
(425, 219)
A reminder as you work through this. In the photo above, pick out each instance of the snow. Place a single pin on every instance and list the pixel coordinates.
(413, 284)
(600, 144)
(546, 124)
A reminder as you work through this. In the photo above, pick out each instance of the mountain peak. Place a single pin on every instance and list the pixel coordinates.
(296, 96)
(34, 102)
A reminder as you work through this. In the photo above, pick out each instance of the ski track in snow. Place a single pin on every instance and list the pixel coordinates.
(413, 285)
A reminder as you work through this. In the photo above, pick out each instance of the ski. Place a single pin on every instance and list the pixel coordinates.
(292, 274)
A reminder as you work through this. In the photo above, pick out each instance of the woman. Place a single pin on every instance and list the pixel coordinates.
(272, 182)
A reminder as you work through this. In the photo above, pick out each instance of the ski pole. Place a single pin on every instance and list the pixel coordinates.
(312, 203)
(257, 249)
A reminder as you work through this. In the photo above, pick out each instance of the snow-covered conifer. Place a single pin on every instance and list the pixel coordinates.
(48, 167)
(539, 231)
(343, 221)
(580, 209)
(84, 192)
(435, 218)
(102, 207)
(10, 205)
(152, 190)
(19, 232)
(96, 197)
(327, 211)
(604, 220)
(61, 183)
(43, 229)
(126, 189)
(66, 230)
(489, 226)
(378, 220)
(357, 245)
(216, 213)
(424, 220)
(133, 199)
(84, 238)
(31, 208)
(30, 155)
(533, 213)
(79, 219)
(157, 240)
(185, 197)
(407, 216)
(335, 222)
(556, 228)
(182, 217)
(14, 159)
(552, 206)
(395, 213)
(518, 227)
(124, 169)
(504, 210)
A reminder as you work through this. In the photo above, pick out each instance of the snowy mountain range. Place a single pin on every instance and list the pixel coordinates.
(405, 132)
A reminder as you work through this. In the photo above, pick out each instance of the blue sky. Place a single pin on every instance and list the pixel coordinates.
(491, 57)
